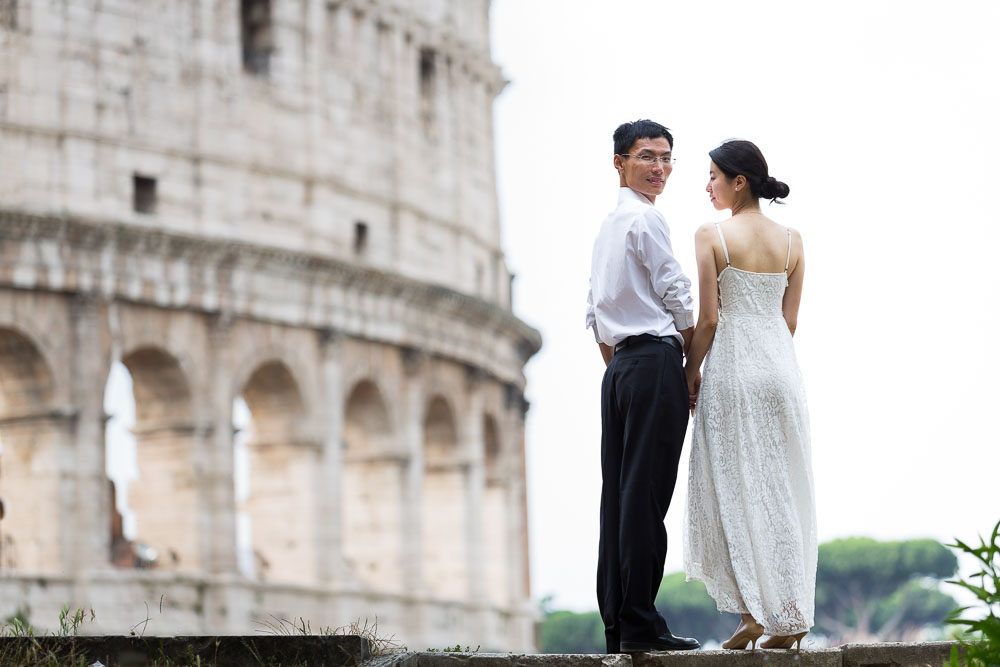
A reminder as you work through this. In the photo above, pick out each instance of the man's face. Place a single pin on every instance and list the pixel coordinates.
(647, 178)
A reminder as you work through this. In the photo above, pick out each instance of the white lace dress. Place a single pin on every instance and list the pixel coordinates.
(750, 524)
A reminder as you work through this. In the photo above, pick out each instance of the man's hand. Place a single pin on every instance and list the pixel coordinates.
(694, 386)
(607, 352)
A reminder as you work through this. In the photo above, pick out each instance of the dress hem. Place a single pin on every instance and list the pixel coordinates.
(734, 609)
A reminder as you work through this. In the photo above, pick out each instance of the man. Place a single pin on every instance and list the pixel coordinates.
(641, 310)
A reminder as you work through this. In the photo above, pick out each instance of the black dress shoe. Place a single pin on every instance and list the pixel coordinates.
(664, 643)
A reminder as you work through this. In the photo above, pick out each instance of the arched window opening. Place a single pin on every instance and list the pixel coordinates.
(279, 503)
(33, 441)
(495, 516)
(372, 482)
(122, 468)
(444, 505)
(151, 457)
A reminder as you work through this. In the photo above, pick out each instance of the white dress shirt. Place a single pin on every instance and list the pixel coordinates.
(636, 284)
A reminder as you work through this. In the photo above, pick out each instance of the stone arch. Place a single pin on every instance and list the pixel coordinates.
(373, 480)
(366, 427)
(444, 504)
(275, 402)
(26, 382)
(265, 355)
(165, 495)
(283, 466)
(32, 440)
(161, 389)
(495, 519)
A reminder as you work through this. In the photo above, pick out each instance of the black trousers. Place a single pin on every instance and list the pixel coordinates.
(644, 414)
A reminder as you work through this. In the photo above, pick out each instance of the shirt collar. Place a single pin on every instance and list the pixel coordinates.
(628, 193)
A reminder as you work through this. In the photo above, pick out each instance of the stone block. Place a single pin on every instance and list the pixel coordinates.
(760, 657)
(932, 654)
(232, 651)
(435, 659)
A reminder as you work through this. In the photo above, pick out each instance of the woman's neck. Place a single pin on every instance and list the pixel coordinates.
(747, 207)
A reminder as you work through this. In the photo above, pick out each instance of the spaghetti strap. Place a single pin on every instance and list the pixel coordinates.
(722, 238)
(788, 259)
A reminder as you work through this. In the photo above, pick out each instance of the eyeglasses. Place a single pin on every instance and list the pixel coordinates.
(651, 159)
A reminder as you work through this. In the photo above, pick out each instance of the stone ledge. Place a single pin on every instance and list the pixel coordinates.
(931, 654)
(499, 660)
(897, 655)
(222, 651)
(352, 651)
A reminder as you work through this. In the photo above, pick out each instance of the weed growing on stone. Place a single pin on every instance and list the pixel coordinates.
(31, 651)
(457, 648)
(377, 643)
(144, 622)
(69, 626)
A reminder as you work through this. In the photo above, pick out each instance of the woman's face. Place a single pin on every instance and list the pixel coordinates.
(721, 189)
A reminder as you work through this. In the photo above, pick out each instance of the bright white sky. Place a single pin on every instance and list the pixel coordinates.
(884, 118)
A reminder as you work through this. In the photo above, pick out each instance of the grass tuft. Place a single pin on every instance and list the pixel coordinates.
(377, 643)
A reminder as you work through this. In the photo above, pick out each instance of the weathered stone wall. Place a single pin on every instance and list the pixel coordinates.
(306, 220)
(376, 112)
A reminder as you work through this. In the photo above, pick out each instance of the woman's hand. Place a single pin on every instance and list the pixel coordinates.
(694, 385)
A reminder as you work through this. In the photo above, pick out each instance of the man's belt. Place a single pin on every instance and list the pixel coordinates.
(643, 338)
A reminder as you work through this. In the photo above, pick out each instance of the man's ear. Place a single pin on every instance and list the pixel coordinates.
(618, 162)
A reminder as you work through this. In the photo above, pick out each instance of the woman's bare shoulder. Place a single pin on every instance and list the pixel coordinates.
(796, 236)
(706, 228)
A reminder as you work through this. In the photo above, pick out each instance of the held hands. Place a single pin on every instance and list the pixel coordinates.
(694, 385)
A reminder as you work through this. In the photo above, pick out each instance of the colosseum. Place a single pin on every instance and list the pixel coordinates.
(288, 205)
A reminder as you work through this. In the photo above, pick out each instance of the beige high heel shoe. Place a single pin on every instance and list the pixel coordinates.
(786, 641)
(750, 632)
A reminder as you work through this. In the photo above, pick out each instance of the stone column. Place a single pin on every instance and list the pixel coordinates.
(89, 520)
(314, 38)
(38, 488)
(517, 516)
(214, 452)
(475, 484)
(329, 504)
(411, 430)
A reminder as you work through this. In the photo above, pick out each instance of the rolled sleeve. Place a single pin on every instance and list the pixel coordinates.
(654, 250)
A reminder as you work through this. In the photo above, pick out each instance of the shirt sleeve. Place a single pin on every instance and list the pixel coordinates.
(653, 248)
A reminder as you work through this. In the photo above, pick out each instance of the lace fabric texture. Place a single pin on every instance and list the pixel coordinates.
(750, 523)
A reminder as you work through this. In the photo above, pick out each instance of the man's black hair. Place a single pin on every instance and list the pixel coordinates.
(628, 133)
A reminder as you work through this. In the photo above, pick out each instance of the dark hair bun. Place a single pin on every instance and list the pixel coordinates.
(739, 156)
(772, 188)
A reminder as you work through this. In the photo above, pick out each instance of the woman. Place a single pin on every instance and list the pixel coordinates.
(750, 520)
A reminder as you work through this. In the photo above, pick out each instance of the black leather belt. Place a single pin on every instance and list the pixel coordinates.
(642, 338)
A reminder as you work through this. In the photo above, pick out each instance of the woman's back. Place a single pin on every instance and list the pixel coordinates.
(755, 244)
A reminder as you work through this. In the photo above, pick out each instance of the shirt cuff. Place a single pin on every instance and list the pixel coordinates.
(597, 336)
(683, 320)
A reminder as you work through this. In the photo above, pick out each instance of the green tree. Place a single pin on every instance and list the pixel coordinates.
(868, 590)
(570, 632)
(690, 611)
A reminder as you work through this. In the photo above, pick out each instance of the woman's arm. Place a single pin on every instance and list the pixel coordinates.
(606, 352)
(708, 311)
(793, 293)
